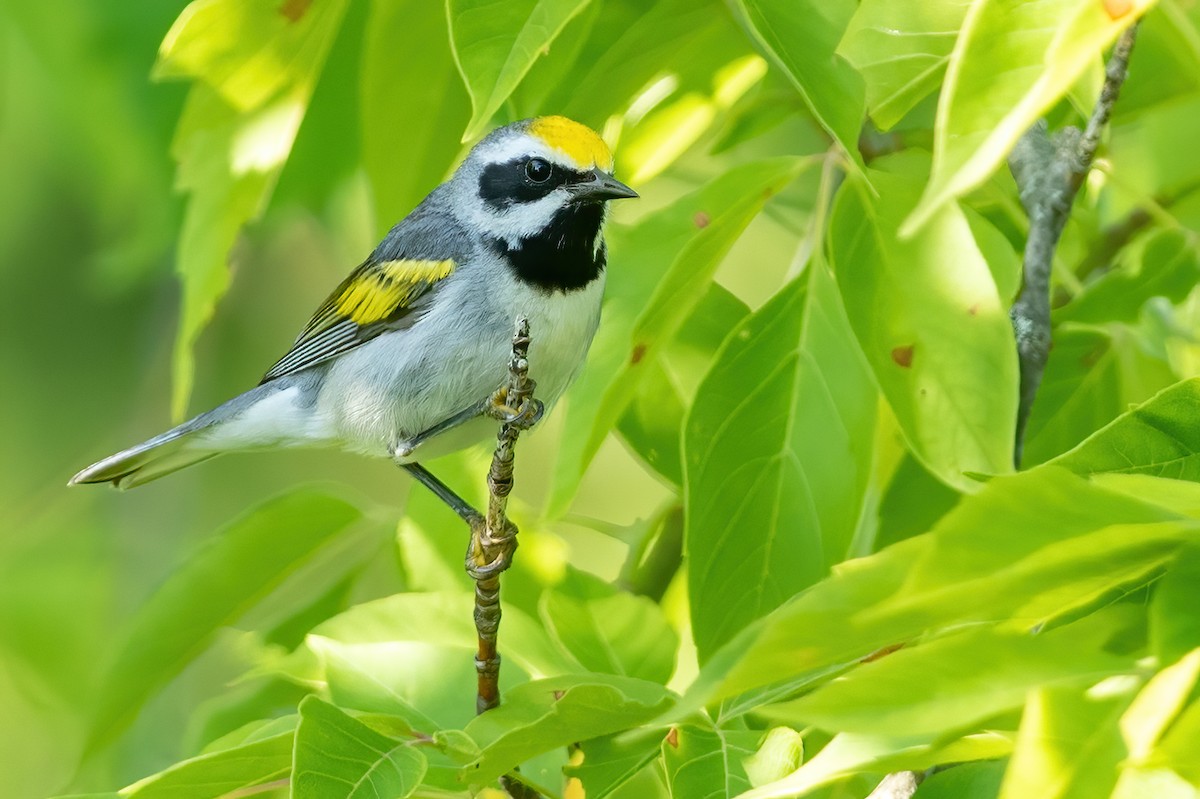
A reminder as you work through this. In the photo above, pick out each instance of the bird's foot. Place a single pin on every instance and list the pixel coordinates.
(526, 414)
(488, 556)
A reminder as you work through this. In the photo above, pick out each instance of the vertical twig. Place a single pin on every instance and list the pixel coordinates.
(493, 541)
(1049, 172)
(495, 537)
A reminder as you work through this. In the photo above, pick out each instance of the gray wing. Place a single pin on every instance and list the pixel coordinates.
(386, 292)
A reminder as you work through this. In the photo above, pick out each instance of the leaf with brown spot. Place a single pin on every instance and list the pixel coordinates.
(903, 356)
(294, 9)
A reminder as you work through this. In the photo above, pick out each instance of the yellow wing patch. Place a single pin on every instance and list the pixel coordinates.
(378, 292)
(578, 142)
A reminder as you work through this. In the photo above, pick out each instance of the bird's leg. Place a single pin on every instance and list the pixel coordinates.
(527, 413)
(446, 494)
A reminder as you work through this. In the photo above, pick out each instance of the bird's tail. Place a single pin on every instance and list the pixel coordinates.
(168, 452)
(146, 461)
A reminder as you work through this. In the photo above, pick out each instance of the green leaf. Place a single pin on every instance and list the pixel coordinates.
(338, 757)
(253, 67)
(1178, 748)
(1152, 784)
(653, 423)
(619, 634)
(612, 761)
(1157, 438)
(776, 452)
(400, 34)
(1174, 624)
(231, 572)
(901, 49)
(495, 42)
(703, 762)
(781, 753)
(220, 773)
(415, 651)
(1013, 60)
(800, 37)
(1138, 144)
(954, 682)
(1068, 746)
(849, 754)
(1029, 547)
(979, 780)
(1093, 375)
(1157, 705)
(1168, 266)
(932, 325)
(540, 716)
(661, 270)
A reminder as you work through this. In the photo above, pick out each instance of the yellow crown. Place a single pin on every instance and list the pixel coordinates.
(578, 142)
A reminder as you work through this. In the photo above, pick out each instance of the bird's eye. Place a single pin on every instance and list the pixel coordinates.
(537, 170)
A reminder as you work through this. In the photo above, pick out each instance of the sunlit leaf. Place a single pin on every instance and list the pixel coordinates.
(445, 620)
(784, 422)
(1174, 627)
(619, 634)
(495, 42)
(1028, 547)
(234, 569)
(954, 682)
(1068, 746)
(254, 66)
(801, 37)
(338, 757)
(641, 54)
(928, 316)
(1011, 62)
(1157, 705)
(660, 270)
(1178, 748)
(539, 716)
(901, 49)
(847, 754)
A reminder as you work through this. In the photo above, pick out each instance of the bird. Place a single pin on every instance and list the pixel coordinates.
(407, 357)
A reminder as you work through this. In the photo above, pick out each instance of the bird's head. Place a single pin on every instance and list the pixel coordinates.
(535, 175)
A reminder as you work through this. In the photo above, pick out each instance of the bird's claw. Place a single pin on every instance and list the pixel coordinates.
(527, 413)
(482, 546)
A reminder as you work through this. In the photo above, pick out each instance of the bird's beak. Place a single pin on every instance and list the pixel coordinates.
(601, 186)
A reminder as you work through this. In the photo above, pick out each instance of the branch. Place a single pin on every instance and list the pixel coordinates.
(1049, 172)
(900, 785)
(493, 542)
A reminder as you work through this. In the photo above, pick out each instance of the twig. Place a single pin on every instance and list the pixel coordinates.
(900, 785)
(493, 541)
(1049, 172)
(494, 537)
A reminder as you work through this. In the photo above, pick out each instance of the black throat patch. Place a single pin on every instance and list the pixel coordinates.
(563, 256)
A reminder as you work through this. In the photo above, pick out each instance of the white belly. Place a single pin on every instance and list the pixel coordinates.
(405, 382)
